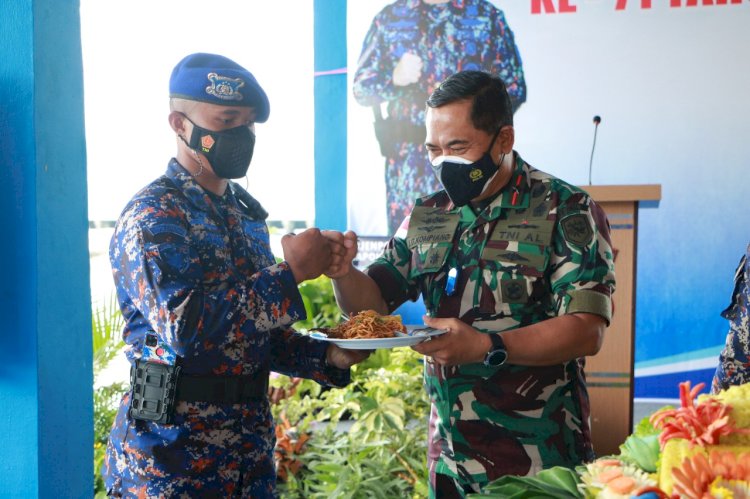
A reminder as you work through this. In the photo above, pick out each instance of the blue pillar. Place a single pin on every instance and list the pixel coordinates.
(45, 308)
(330, 114)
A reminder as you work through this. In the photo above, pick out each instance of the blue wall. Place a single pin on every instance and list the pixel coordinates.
(18, 390)
(330, 114)
(45, 312)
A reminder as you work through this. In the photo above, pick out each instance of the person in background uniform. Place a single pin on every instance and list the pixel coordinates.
(734, 360)
(516, 266)
(207, 309)
(413, 45)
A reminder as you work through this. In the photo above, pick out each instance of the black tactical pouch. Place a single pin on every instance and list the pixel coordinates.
(392, 133)
(153, 387)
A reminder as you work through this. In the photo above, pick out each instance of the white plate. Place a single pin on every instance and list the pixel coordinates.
(417, 334)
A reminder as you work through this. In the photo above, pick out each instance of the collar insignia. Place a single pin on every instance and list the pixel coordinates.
(207, 142)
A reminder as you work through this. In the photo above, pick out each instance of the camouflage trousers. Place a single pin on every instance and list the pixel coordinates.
(210, 451)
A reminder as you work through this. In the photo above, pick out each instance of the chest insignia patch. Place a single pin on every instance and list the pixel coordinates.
(514, 291)
(431, 226)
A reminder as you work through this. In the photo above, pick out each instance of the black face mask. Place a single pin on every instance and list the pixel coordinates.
(229, 152)
(462, 179)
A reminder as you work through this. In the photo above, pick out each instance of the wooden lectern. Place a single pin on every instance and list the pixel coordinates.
(609, 374)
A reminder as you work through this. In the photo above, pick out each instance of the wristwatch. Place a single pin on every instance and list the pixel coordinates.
(497, 355)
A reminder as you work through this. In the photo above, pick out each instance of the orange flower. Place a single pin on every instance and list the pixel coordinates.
(700, 424)
(694, 478)
(289, 446)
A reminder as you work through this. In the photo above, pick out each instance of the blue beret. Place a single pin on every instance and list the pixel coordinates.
(218, 80)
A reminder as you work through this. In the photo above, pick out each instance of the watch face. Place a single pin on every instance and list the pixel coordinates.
(496, 358)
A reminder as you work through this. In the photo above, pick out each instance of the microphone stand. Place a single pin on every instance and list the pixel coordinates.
(597, 120)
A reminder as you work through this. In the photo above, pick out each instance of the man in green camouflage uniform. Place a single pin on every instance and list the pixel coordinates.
(517, 267)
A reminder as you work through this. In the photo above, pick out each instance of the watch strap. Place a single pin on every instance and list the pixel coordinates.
(497, 355)
(497, 342)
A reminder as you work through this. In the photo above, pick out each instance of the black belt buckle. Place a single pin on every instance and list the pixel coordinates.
(229, 390)
(255, 390)
(153, 387)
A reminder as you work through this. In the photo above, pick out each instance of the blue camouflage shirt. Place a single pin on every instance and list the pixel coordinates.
(197, 269)
(734, 360)
(448, 37)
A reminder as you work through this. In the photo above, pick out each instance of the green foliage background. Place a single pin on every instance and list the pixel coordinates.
(106, 328)
(368, 439)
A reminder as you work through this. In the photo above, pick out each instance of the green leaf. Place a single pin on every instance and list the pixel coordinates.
(329, 467)
(561, 477)
(644, 427)
(320, 304)
(368, 404)
(106, 328)
(394, 421)
(529, 487)
(643, 451)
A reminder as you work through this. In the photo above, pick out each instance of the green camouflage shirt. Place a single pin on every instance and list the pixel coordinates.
(539, 250)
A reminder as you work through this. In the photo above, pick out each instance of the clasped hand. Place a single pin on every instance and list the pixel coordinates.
(314, 252)
(408, 69)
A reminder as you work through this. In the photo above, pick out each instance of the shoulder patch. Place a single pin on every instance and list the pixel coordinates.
(577, 229)
(163, 233)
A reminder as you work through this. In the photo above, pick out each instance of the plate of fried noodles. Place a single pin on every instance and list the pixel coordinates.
(368, 330)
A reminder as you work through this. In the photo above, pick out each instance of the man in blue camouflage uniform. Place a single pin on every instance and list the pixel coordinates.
(200, 291)
(517, 267)
(413, 45)
(734, 360)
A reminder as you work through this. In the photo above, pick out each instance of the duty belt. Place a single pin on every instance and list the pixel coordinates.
(222, 389)
(156, 387)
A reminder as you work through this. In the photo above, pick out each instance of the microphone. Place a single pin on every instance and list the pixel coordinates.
(597, 120)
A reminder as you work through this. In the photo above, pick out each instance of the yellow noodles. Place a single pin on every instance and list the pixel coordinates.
(367, 324)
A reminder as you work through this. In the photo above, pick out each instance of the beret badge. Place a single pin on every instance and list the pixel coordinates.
(215, 79)
(225, 88)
